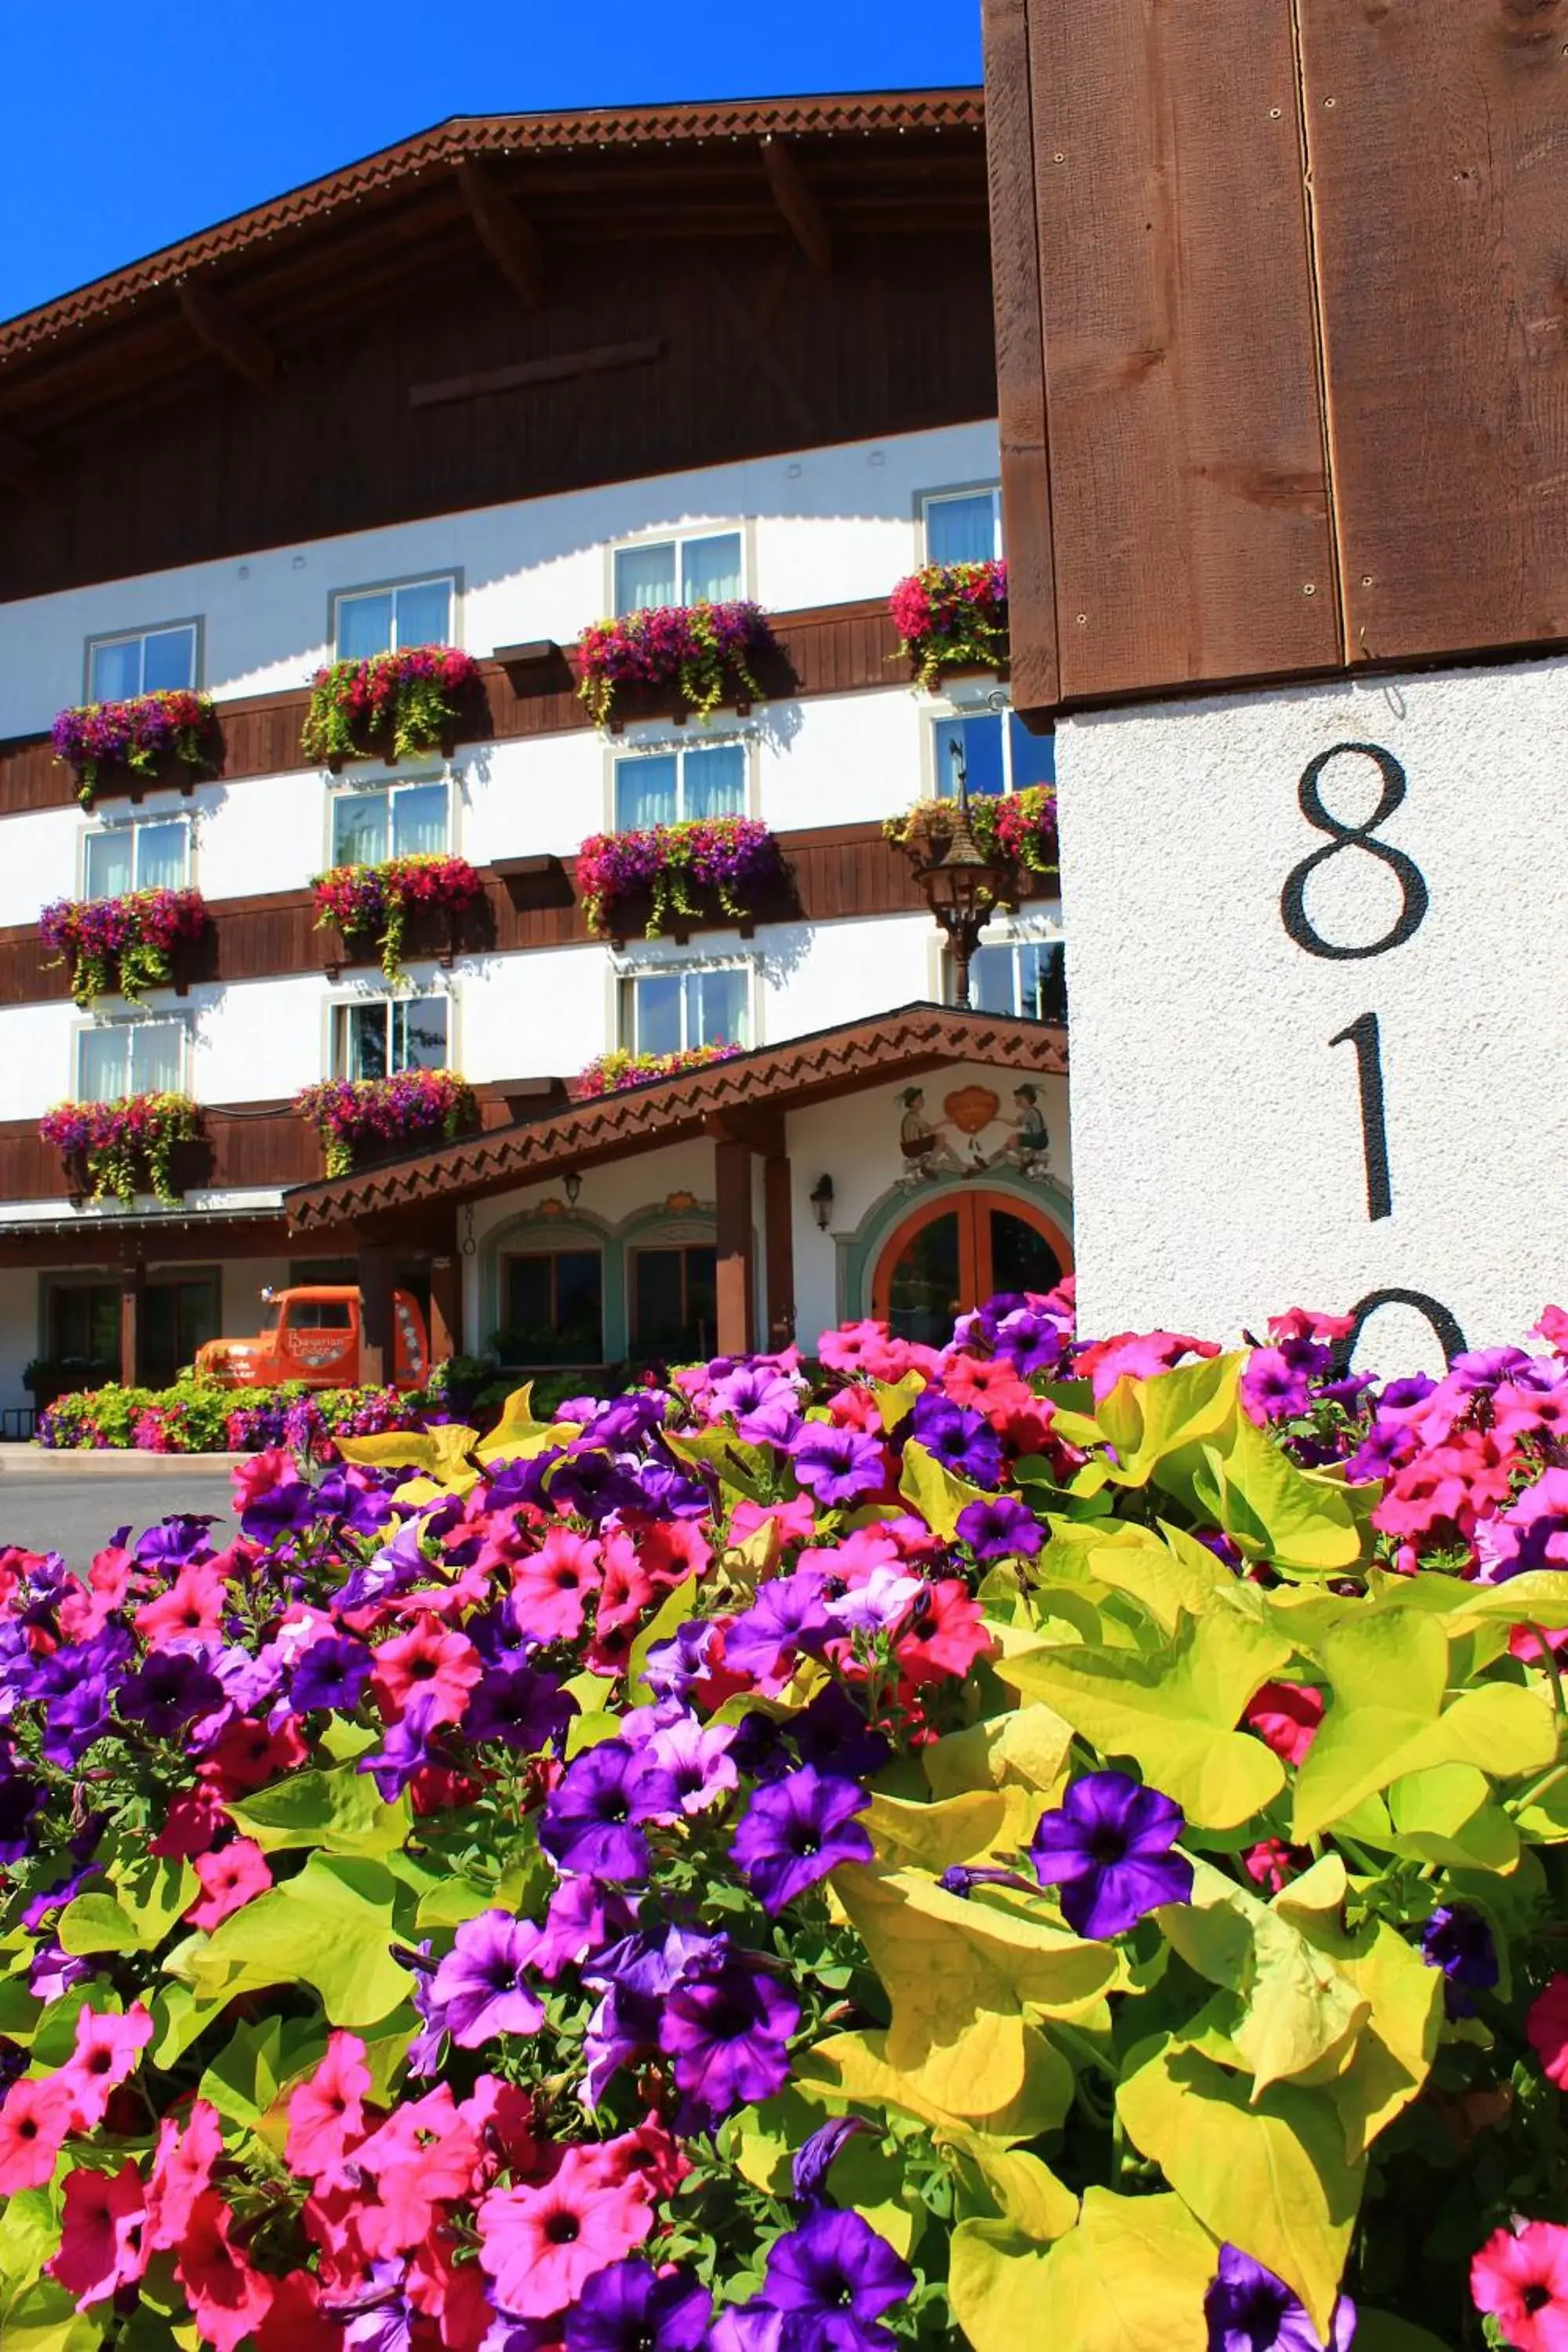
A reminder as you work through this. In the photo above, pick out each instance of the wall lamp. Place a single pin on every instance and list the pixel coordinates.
(822, 1201)
(570, 1185)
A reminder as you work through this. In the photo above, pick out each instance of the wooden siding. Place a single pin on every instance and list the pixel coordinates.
(1294, 272)
(825, 649)
(833, 871)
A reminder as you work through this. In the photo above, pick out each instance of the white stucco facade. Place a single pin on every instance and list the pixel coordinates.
(1218, 1131)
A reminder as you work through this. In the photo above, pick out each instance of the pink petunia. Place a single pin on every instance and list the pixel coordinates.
(550, 1587)
(100, 2246)
(1286, 1716)
(183, 2165)
(108, 2049)
(1522, 2282)
(230, 1879)
(1547, 2027)
(541, 2245)
(190, 1612)
(327, 2112)
(228, 2298)
(35, 2117)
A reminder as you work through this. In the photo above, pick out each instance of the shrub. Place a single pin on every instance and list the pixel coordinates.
(125, 1146)
(401, 705)
(375, 901)
(952, 616)
(701, 649)
(126, 944)
(349, 1113)
(729, 860)
(197, 1416)
(613, 1073)
(138, 735)
(1028, 1842)
(1019, 827)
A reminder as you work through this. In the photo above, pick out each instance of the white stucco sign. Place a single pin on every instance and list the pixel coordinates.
(1317, 946)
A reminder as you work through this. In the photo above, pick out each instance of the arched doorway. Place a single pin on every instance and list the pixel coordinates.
(954, 1251)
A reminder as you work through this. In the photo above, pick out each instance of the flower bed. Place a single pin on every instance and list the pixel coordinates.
(400, 705)
(127, 1146)
(126, 944)
(376, 902)
(141, 737)
(1018, 827)
(195, 1416)
(614, 1073)
(703, 651)
(1032, 1842)
(349, 1113)
(952, 616)
(730, 860)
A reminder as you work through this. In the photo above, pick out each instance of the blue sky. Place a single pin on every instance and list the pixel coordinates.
(130, 126)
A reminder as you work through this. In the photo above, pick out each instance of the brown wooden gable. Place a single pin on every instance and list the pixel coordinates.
(504, 306)
(731, 1100)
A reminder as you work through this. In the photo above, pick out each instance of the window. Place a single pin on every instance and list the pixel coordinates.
(678, 572)
(661, 788)
(321, 1315)
(1029, 978)
(83, 1323)
(555, 1308)
(667, 1012)
(963, 526)
(997, 750)
(153, 856)
(376, 1037)
(129, 1057)
(148, 662)
(367, 621)
(674, 1296)
(183, 1313)
(396, 821)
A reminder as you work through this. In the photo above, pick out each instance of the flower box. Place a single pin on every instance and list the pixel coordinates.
(362, 1119)
(617, 1073)
(704, 870)
(127, 1146)
(399, 705)
(170, 737)
(952, 618)
(671, 658)
(379, 904)
(123, 946)
(1017, 828)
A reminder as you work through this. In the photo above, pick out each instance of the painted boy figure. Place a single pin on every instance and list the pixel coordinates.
(927, 1154)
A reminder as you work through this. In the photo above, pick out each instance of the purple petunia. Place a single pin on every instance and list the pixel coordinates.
(330, 1674)
(833, 2278)
(1001, 1527)
(1250, 2310)
(481, 1987)
(1109, 1847)
(961, 1440)
(788, 1615)
(838, 1464)
(593, 1819)
(1458, 1941)
(631, 2307)
(171, 1689)
(813, 2160)
(727, 2032)
(523, 1709)
(796, 1830)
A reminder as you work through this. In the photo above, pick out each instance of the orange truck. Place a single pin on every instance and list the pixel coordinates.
(313, 1334)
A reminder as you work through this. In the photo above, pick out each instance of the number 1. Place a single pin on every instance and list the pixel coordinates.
(1364, 1035)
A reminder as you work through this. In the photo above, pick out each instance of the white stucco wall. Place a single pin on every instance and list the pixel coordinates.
(1217, 1132)
(824, 525)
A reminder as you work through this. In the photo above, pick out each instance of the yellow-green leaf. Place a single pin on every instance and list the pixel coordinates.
(1175, 1715)
(933, 1837)
(1295, 2006)
(936, 1495)
(895, 1400)
(1449, 1814)
(440, 1455)
(854, 2068)
(331, 1928)
(1129, 2278)
(338, 1811)
(1271, 2177)
(1027, 1749)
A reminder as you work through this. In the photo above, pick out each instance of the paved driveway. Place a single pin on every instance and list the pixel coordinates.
(72, 1503)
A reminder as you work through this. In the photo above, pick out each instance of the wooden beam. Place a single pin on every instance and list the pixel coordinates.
(378, 1322)
(601, 361)
(512, 241)
(132, 1324)
(802, 213)
(778, 1248)
(215, 322)
(19, 464)
(736, 1248)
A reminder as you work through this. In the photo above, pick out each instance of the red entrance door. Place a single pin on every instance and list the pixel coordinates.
(955, 1252)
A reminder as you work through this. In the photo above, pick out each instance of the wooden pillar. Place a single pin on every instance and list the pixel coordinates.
(132, 1324)
(445, 1307)
(778, 1249)
(377, 1353)
(732, 1196)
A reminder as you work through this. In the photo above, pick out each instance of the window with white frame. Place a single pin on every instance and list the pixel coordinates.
(396, 820)
(143, 661)
(663, 787)
(374, 1038)
(149, 854)
(1024, 977)
(129, 1057)
(996, 750)
(670, 1011)
(707, 568)
(367, 621)
(963, 526)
